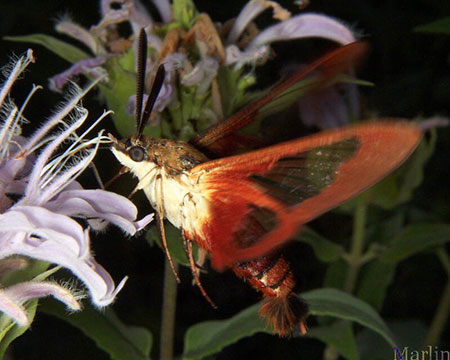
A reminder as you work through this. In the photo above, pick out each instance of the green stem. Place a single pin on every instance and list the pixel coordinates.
(356, 251)
(445, 260)
(168, 312)
(354, 259)
(443, 310)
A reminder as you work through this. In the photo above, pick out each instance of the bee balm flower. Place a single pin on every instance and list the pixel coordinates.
(41, 224)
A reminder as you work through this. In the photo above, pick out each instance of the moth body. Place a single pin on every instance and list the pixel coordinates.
(163, 177)
(242, 208)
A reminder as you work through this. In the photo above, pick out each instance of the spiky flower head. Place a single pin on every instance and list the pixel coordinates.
(210, 66)
(40, 199)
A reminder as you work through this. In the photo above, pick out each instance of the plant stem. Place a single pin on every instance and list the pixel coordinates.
(355, 259)
(356, 251)
(168, 312)
(443, 310)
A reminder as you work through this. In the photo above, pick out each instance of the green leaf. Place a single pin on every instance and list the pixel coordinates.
(336, 274)
(407, 333)
(33, 269)
(441, 26)
(120, 341)
(339, 335)
(374, 280)
(325, 250)
(232, 96)
(13, 331)
(414, 239)
(117, 91)
(210, 337)
(184, 12)
(65, 50)
(339, 304)
(120, 86)
(9, 331)
(376, 276)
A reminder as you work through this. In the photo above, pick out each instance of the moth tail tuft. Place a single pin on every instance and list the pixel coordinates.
(284, 313)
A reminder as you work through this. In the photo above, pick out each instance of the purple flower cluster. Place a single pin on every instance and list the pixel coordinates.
(233, 44)
(40, 199)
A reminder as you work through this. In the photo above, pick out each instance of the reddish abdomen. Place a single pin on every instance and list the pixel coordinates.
(272, 276)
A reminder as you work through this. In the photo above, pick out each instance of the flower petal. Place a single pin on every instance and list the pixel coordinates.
(202, 75)
(101, 204)
(434, 122)
(303, 26)
(130, 10)
(17, 69)
(328, 107)
(25, 291)
(163, 7)
(42, 226)
(99, 283)
(13, 310)
(250, 11)
(69, 27)
(248, 56)
(89, 66)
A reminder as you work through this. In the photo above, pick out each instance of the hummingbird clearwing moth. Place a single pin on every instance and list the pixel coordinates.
(240, 209)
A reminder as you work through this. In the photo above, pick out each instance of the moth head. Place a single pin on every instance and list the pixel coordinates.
(130, 150)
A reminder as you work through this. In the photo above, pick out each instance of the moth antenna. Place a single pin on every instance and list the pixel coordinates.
(140, 74)
(194, 270)
(154, 92)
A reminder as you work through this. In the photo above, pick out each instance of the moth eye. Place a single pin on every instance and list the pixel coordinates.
(137, 153)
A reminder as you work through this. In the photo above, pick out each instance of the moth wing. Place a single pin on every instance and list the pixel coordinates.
(220, 138)
(258, 200)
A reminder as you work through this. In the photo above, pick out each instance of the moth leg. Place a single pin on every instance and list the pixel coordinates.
(188, 246)
(162, 236)
(160, 220)
(201, 258)
(201, 254)
(145, 181)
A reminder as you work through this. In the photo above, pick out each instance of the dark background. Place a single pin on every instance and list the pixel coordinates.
(412, 76)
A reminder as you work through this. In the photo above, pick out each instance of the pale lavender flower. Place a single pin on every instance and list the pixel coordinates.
(305, 26)
(91, 66)
(249, 12)
(114, 12)
(326, 108)
(69, 27)
(297, 27)
(237, 53)
(202, 74)
(434, 122)
(331, 107)
(194, 51)
(40, 224)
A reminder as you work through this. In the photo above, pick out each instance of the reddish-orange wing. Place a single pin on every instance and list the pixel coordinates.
(222, 139)
(259, 199)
